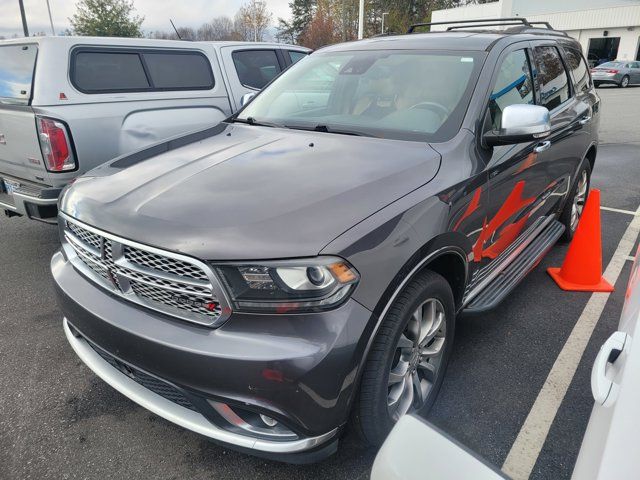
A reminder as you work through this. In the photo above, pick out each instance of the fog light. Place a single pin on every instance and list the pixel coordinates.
(268, 421)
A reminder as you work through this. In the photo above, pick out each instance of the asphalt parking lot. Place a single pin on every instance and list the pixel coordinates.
(58, 420)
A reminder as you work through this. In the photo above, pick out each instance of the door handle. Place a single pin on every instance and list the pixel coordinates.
(604, 390)
(542, 146)
(585, 120)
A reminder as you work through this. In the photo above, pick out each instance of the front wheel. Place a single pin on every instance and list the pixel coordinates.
(408, 357)
(572, 212)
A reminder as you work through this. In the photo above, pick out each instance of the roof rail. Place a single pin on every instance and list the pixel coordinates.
(492, 22)
(546, 24)
(506, 24)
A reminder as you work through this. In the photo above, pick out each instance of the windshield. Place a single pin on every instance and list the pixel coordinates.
(399, 94)
(611, 65)
(16, 72)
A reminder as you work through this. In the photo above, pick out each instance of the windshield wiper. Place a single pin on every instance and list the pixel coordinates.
(326, 129)
(253, 121)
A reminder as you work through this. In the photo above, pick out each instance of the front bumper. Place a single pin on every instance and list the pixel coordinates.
(31, 200)
(298, 369)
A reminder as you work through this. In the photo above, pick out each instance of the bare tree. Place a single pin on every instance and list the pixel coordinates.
(252, 20)
(220, 28)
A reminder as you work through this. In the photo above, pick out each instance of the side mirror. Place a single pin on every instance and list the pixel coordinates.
(520, 123)
(246, 98)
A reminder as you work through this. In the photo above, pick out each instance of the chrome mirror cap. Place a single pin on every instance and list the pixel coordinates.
(526, 120)
(246, 98)
(520, 123)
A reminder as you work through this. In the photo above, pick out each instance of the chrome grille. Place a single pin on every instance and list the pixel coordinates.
(193, 303)
(164, 264)
(85, 236)
(163, 281)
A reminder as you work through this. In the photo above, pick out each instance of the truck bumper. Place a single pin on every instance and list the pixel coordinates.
(30, 200)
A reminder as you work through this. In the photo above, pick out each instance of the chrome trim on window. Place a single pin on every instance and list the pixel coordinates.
(167, 282)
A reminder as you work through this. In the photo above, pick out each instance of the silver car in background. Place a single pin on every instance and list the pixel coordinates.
(69, 104)
(621, 73)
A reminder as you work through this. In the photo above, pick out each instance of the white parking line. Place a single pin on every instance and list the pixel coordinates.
(619, 210)
(526, 449)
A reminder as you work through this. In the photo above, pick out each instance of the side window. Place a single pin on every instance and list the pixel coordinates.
(578, 68)
(189, 70)
(17, 63)
(513, 86)
(296, 56)
(96, 72)
(256, 68)
(140, 70)
(552, 77)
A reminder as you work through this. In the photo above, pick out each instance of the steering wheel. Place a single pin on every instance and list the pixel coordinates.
(437, 108)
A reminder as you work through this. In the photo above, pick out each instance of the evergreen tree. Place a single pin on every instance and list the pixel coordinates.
(106, 18)
(302, 12)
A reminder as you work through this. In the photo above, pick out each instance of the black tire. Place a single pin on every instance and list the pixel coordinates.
(624, 83)
(371, 418)
(566, 215)
(596, 84)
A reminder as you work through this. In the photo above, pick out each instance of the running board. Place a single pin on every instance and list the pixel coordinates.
(502, 284)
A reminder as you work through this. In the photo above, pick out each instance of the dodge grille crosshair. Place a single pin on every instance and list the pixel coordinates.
(168, 282)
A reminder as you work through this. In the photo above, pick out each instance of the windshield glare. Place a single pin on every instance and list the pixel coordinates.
(407, 95)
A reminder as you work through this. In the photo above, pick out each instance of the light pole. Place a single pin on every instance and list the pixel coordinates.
(53, 31)
(361, 20)
(385, 13)
(24, 19)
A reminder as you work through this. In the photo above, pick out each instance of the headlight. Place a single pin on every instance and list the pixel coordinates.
(295, 286)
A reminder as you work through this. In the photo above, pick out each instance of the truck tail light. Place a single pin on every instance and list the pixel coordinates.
(55, 143)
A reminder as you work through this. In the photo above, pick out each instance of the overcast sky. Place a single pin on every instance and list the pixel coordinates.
(184, 13)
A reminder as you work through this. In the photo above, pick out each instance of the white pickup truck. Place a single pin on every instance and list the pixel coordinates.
(68, 104)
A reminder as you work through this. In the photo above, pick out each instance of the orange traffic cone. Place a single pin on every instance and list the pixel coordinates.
(582, 267)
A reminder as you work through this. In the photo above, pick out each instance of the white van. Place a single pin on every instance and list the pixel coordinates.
(68, 104)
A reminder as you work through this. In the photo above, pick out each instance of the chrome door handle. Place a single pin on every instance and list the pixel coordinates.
(585, 120)
(542, 146)
(604, 389)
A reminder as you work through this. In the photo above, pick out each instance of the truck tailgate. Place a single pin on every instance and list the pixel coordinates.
(20, 154)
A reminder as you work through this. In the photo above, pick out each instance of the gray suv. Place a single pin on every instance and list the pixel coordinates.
(301, 265)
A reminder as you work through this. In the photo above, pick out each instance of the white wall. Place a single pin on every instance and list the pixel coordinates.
(468, 12)
(629, 40)
(582, 19)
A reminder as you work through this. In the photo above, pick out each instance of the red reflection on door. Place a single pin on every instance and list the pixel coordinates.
(472, 207)
(512, 205)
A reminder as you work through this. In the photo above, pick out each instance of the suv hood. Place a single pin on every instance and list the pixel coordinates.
(249, 192)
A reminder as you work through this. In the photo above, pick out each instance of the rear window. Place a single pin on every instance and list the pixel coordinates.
(578, 68)
(611, 65)
(98, 71)
(552, 77)
(296, 56)
(17, 63)
(256, 68)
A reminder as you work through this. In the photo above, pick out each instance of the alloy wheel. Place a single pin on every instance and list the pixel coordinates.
(579, 200)
(417, 359)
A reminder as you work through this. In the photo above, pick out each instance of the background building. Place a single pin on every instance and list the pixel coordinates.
(607, 29)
